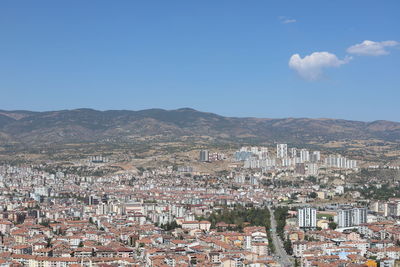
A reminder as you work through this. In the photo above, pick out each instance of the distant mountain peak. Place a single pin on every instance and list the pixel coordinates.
(187, 109)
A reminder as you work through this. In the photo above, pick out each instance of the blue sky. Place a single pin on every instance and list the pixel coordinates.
(234, 58)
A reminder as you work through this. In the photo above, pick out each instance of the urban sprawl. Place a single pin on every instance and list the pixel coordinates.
(270, 206)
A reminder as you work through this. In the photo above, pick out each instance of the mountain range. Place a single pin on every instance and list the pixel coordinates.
(88, 125)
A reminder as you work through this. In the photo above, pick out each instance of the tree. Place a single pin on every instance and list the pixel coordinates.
(313, 195)
(48, 243)
(288, 246)
(332, 225)
(312, 179)
(45, 223)
(170, 226)
(281, 214)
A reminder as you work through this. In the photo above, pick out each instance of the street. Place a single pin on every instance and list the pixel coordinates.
(283, 257)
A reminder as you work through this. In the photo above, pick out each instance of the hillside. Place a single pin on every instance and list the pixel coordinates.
(87, 125)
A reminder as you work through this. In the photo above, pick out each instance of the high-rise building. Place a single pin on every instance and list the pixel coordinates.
(286, 162)
(391, 209)
(264, 153)
(281, 151)
(351, 217)
(93, 200)
(246, 152)
(242, 155)
(315, 156)
(307, 218)
(312, 169)
(253, 163)
(359, 216)
(204, 156)
(337, 161)
(293, 152)
(304, 155)
(351, 164)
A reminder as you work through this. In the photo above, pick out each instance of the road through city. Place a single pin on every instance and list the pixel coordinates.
(283, 257)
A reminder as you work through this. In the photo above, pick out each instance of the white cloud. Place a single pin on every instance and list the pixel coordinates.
(286, 20)
(311, 67)
(371, 48)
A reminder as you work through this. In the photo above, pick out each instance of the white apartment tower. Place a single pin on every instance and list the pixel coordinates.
(351, 217)
(337, 161)
(293, 152)
(307, 217)
(281, 151)
(304, 155)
